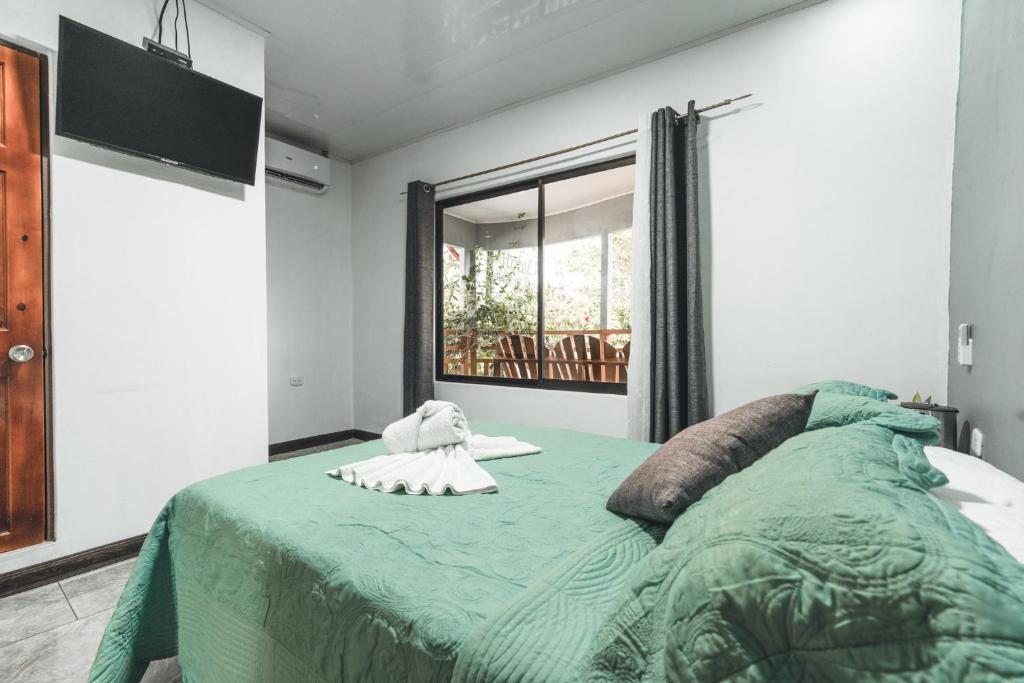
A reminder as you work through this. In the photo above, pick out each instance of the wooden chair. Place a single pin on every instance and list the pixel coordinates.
(585, 358)
(460, 353)
(516, 356)
(624, 370)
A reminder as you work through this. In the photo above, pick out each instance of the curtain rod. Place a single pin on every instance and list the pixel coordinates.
(566, 150)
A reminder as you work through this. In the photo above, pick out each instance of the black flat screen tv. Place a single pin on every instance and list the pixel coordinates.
(113, 94)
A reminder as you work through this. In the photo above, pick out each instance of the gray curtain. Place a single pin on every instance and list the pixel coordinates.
(418, 354)
(679, 392)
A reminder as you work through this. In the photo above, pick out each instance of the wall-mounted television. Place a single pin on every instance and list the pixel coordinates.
(113, 94)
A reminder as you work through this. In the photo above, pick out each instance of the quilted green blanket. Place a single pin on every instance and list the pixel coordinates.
(825, 560)
(281, 573)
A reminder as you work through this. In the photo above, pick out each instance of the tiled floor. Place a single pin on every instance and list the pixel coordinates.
(50, 634)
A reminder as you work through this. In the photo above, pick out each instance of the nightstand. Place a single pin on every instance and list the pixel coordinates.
(946, 416)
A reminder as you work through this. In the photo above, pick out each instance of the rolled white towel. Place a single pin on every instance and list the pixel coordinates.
(449, 468)
(434, 424)
(432, 451)
(444, 424)
(401, 436)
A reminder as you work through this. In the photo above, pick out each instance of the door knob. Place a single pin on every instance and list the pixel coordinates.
(21, 353)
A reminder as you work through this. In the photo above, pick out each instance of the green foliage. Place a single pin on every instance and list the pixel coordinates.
(498, 296)
(572, 284)
(489, 293)
(620, 265)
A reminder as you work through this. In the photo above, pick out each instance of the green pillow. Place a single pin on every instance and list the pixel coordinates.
(840, 386)
(839, 410)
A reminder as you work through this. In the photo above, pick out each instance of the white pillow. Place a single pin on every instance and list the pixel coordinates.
(989, 497)
(972, 480)
(1003, 525)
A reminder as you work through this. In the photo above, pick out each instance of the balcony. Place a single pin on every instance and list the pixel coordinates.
(595, 355)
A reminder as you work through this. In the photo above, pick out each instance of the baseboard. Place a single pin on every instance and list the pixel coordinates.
(71, 565)
(320, 440)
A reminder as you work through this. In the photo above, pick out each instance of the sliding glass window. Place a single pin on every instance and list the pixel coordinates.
(534, 282)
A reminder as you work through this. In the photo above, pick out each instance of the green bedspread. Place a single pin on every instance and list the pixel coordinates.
(825, 560)
(281, 573)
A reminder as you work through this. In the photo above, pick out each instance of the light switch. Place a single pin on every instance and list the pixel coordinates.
(295, 380)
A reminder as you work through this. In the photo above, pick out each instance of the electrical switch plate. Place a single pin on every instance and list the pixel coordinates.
(295, 381)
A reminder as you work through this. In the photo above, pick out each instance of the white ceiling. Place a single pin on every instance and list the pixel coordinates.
(564, 195)
(360, 77)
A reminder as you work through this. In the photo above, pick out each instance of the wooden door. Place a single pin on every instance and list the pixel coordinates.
(22, 379)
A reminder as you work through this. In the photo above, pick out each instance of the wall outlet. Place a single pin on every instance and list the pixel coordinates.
(977, 442)
(295, 380)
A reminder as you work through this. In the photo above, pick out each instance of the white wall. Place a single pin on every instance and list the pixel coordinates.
(596, 413)
(309, 302)
(827, 201)
(159, 303)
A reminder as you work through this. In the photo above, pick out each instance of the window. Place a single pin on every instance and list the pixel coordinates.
(534, 282)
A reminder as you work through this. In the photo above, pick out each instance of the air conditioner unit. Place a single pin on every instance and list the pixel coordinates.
(298, 167)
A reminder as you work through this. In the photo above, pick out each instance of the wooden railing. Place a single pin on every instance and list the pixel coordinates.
(578, 355)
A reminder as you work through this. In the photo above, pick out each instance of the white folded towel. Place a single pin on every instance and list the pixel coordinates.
(434, 424)
(492, 447)
(449, 468)
(433, 451)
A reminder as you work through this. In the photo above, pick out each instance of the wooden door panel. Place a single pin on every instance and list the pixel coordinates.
(22, 385)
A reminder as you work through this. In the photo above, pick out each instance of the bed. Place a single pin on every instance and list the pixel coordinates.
(828, 558)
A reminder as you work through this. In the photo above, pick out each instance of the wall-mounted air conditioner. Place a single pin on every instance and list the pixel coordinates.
(297, 167)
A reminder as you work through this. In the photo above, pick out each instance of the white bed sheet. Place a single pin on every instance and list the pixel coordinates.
(989, 497)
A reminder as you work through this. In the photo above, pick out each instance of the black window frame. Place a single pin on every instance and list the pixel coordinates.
(537, 183)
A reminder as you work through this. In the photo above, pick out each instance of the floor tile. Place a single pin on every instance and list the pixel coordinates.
(61, 654)
(98, 578)
(25, 614)
(163, 671)
(97, 590)
(336, 445)
(98, 600)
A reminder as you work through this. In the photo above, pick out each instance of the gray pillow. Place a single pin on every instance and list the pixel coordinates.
(699, 458)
